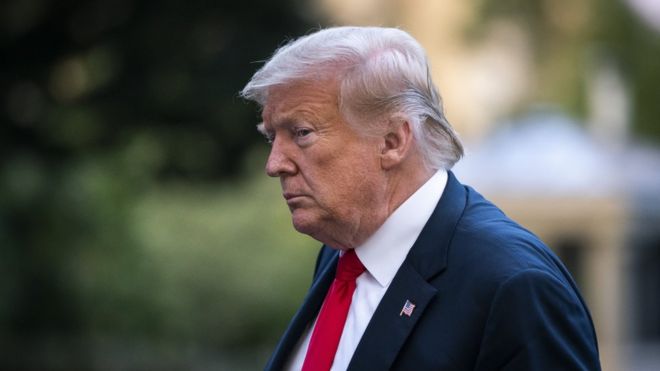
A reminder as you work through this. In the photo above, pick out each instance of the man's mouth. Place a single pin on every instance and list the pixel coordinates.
(290, 196)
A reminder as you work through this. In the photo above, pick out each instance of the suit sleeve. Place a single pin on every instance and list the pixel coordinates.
(537, 322)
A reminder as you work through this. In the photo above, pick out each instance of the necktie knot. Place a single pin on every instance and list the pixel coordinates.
(349, 266)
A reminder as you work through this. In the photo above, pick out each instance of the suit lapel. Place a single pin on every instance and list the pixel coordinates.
(388, 329)
(304, 316)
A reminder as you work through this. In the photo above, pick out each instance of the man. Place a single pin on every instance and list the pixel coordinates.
(417, 272)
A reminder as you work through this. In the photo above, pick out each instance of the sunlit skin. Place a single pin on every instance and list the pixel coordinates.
(340, 186)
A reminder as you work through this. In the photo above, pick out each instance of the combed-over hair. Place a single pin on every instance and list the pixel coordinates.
(383, 76)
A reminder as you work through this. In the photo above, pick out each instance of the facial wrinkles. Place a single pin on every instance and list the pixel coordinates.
(340, 203)
(284, 123)
(289, 102)
(336, 171)
(364, 213)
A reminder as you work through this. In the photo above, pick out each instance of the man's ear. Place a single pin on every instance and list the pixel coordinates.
(397, 142)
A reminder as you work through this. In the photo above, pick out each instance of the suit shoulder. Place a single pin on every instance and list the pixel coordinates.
(489, 241)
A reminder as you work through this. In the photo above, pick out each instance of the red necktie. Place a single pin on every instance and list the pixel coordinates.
(330, 324)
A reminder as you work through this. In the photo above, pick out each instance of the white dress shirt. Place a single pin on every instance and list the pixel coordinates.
(382, 255)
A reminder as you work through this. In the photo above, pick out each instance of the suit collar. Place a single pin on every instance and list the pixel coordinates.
(428, 255)
(388, 329)
(384, 251)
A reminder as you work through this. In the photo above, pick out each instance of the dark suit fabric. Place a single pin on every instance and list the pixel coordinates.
(489, 295)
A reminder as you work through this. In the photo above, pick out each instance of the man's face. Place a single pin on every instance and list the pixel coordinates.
(330, 175)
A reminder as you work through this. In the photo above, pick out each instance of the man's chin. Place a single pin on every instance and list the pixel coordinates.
(318, 226)
(303, 222)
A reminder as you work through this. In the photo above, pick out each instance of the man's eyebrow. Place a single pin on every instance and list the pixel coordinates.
(270, 136)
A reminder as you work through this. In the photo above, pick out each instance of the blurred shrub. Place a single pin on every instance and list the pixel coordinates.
(131, 234)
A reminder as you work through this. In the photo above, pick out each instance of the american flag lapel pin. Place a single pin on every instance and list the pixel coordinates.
(407, 309)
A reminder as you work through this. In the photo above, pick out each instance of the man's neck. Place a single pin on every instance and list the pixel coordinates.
(399, 187)
(403, 185)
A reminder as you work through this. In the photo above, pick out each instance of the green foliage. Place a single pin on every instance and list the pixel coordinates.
(231, 267)
(214, 266)
(569, 38)
(84, 75)
(175, 266)
(635, 47)
(131, 233)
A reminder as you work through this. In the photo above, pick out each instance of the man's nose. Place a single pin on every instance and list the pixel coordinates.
(279, 163)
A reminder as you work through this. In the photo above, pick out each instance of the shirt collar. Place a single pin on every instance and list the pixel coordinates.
(384, 252)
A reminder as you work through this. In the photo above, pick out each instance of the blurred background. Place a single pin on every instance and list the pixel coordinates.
(138, 231)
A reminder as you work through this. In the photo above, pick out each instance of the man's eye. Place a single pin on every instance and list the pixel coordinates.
(302, 132)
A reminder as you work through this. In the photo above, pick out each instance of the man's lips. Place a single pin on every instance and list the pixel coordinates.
(294, 200)
(290, 196)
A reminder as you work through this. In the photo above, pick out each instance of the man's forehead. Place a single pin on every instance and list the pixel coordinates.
(300, 99)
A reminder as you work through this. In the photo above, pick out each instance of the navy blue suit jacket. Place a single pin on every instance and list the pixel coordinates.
(488, 295)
